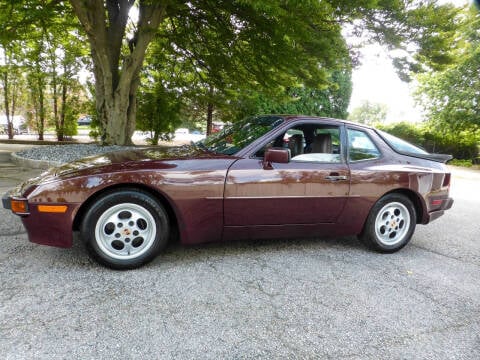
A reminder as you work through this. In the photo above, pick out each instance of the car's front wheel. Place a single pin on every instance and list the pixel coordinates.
(390, 224)
(125, 229)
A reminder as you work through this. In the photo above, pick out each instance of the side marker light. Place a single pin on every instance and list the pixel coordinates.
(52, 208)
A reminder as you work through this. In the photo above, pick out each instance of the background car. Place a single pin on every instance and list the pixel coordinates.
(263, 177)
(84, 120)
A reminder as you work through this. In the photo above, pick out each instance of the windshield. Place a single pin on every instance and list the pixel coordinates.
(401, 145)
(235, 137)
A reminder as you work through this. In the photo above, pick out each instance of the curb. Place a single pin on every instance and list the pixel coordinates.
(34, 164)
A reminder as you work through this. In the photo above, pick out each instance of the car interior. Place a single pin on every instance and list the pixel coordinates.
(309, 143)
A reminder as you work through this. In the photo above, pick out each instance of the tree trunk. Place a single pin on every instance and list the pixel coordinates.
(7, 107)
(116, 83)
(55, 103)
(210, 110)
(61, 128)
(209, 118)
(41, 106)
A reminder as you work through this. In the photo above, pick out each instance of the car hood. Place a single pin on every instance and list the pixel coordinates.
(123, 160)
(144, 157)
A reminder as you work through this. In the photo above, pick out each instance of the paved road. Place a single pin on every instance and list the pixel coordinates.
(268, 299)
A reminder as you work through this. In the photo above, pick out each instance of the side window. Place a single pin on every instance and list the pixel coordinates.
(309, 142)
(321, 143)
(361, 147)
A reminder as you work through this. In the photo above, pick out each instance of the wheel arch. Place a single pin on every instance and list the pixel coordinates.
(160, 197)
(415, 198)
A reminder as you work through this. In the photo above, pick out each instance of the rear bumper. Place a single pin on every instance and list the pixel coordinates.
(447, 204)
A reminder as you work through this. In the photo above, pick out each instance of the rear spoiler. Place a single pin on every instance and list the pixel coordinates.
(441, 158)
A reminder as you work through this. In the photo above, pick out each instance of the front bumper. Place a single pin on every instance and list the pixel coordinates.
(45, 228)
(6, 202)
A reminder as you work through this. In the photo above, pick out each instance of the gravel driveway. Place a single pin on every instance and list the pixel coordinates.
(266, 299)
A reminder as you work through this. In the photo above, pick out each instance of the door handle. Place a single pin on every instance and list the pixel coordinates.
(336, 177)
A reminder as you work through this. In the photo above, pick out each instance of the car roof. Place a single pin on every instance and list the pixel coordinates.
(291, 118)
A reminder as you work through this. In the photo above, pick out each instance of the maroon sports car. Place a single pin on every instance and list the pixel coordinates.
(264, 177)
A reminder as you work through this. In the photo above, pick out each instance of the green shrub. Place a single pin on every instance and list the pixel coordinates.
(462, 145)
(457, 162)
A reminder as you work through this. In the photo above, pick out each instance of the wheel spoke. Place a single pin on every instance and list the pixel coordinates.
(125, 231)
(392, 223)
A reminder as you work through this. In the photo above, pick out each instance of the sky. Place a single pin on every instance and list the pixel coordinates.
(376, 81)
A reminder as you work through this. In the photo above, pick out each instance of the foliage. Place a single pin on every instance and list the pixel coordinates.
(462, 145)
(12, 83)
(225, 54)
(46, 52)
(450, 96)
(252, 53)
(158, 112)
(228, 47)
(331, 101)
(369, 113)
(464, 163)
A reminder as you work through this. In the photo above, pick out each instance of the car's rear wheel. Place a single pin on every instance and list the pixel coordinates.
(390, 224)
(125, 229)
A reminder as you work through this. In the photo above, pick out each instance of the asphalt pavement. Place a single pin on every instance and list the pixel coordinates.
(287, 299)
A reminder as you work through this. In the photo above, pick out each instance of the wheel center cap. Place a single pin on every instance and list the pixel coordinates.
(126, 232)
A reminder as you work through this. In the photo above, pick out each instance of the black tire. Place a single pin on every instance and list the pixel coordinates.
(390, 224)
(125, 229)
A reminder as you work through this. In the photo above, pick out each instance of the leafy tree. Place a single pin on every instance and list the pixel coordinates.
(369, 113)
(116, 68)
(37, 80)
(44, 49)
(66, 52)
(450, 96)
(462, 144)
(224, 51)
(11, 81)
(299, 39)
(159, 112)
(331, 101)
(231, 46)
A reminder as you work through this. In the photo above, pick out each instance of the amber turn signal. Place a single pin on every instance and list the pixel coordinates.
(19, 206)
(52, 208)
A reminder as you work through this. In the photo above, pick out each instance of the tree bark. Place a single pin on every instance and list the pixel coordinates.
(55, 101)
(7, 105)
(211, 91)
(61, 132)
(116, 81)
(209, 118)
(41, 104)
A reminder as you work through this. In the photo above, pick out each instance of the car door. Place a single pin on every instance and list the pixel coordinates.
(312, 188)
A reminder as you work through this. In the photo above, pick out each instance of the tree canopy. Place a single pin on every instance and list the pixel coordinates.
(451, 96)
(215, 54)
(40, 57)
(369, 113)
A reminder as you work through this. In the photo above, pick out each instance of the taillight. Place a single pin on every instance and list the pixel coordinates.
(437, 202)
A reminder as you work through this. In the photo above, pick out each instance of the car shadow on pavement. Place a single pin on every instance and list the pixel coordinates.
(176, 254)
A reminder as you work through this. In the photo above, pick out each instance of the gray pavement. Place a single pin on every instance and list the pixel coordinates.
(266, 299)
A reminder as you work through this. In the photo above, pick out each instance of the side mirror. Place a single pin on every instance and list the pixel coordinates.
(275, 155)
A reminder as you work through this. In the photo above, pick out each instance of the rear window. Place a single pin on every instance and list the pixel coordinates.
(400, 145)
